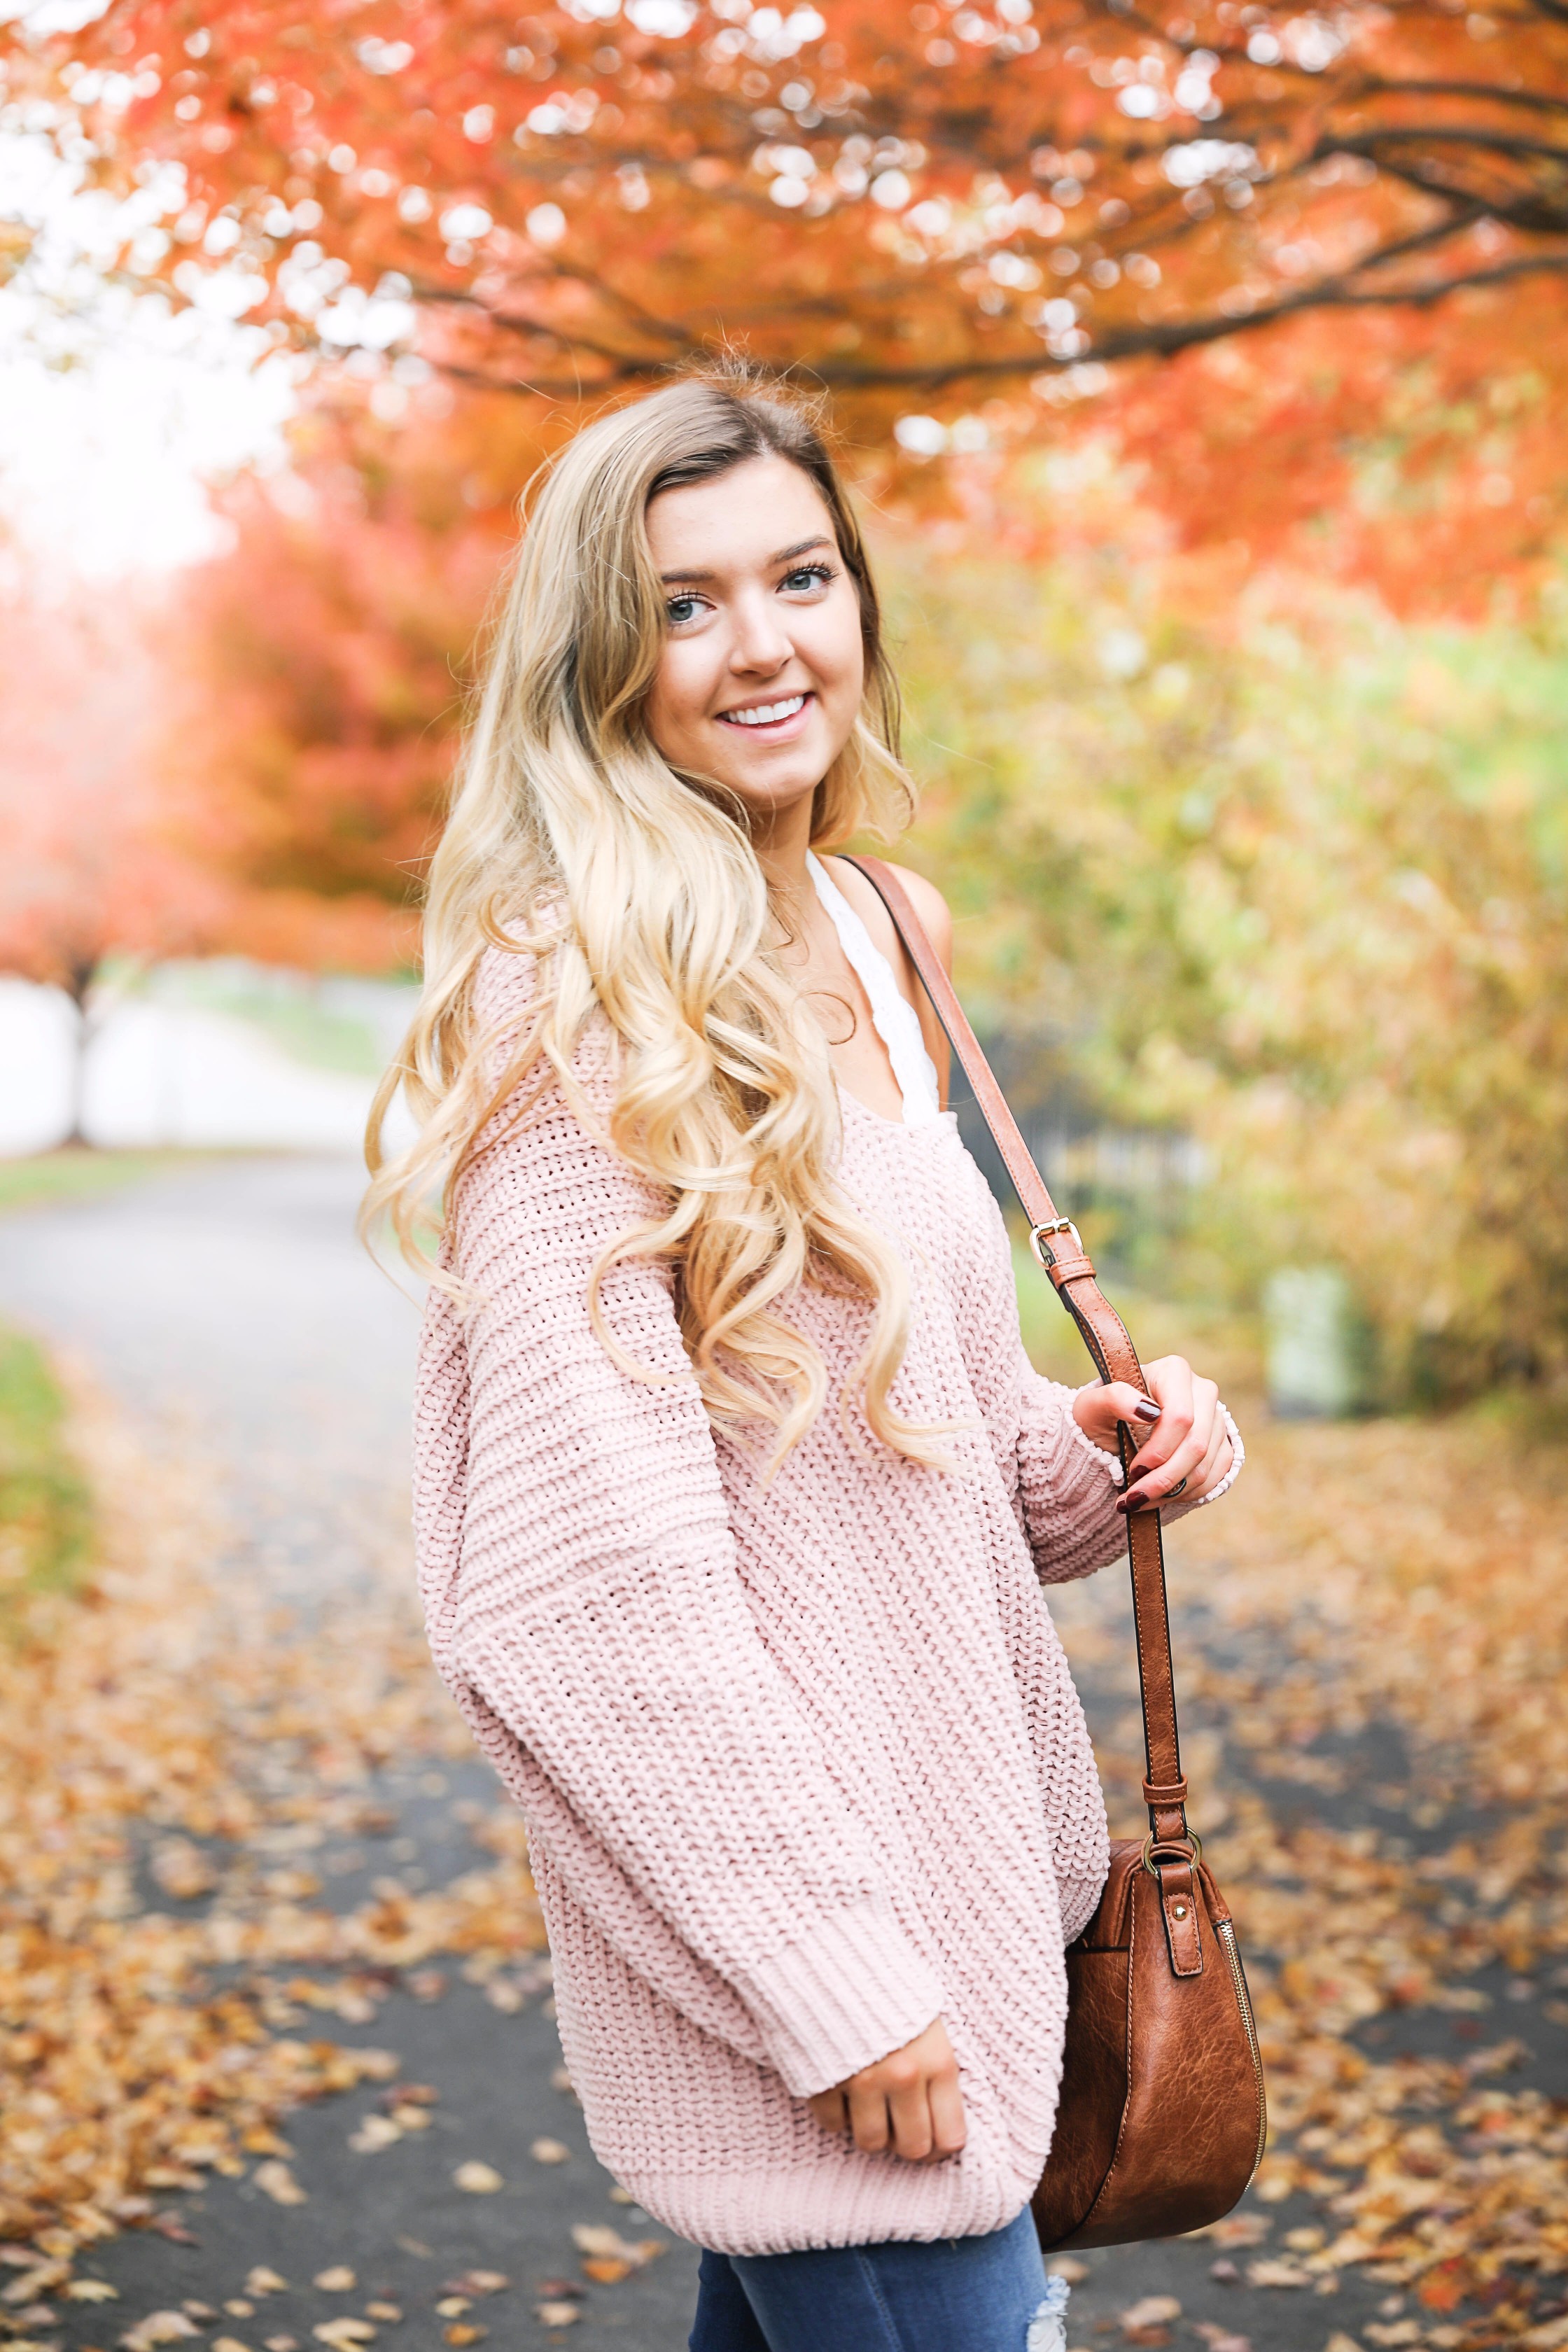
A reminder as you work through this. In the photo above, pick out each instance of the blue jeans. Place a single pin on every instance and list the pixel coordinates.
(960, 2295)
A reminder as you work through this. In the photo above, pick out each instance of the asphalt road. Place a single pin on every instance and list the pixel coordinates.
(231, 1311)
(232, 1315)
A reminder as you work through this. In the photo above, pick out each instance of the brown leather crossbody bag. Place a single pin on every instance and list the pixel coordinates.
(1161, 2121)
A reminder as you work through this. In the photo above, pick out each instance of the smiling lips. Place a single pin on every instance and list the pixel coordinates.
(766, 714)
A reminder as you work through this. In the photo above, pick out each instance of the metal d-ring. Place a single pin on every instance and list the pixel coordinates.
(1174, 1847)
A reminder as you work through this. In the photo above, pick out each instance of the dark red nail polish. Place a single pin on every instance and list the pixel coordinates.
(1146, 1409)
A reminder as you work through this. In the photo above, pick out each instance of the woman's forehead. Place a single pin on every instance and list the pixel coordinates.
(762, 512)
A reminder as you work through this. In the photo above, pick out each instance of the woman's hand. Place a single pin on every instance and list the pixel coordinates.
(1185, 1447)
(908, 2101)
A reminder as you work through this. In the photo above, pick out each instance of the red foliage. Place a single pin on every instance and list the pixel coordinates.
(89, 868)
(320, 670)
(926, 207)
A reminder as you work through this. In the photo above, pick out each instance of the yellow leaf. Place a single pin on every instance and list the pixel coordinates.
(274, 2180)
(478, 2179)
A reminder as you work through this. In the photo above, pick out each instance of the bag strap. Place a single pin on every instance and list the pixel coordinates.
(1055, 1242)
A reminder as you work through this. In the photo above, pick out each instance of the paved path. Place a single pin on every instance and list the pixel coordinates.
(231, 1312)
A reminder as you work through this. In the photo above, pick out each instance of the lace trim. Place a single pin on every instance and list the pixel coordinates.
(893, 1017)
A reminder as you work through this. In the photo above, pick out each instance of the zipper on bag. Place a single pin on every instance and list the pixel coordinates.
(1225, 1930)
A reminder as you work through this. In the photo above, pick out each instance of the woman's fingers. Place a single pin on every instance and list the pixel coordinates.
(828, 2108)
(1183, 1441)
(1122, 1402)
(909, 2112)
(910, 2102)
(1102, 1404)
(949, 2129)
(1179, 1447)
(868, 2104)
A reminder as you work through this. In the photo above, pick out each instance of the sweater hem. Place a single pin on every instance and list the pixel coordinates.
(771, 2212)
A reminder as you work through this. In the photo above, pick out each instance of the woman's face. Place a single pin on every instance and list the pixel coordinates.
(762, 668)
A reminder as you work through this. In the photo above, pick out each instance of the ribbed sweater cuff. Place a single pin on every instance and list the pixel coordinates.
(840, 1997)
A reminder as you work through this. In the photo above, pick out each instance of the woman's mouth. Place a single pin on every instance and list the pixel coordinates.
(773, 721)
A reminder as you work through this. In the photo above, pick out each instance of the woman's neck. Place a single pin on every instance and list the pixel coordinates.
(781, 839)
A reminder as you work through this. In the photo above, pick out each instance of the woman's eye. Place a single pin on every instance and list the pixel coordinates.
(680, 610)
(810, 575)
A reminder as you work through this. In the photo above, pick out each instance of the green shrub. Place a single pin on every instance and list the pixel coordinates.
(1297, 885)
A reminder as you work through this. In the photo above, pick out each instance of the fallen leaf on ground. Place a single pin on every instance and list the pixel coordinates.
(602, 2243)
(464, 2331)
(478, 2282)
(344, 2334)
(230, 2343)
(1276, 2273)
(1237, 2230)
(238, 2308)
(478, 2179)
(1220, 2339)
(274, 2180)
(550, 2151)
(390, 2313)
(452, 2306)
(1068, 2267)
(557, 2314)
(158, 2327)
(261, 2280)
(337, 2280)
(1153, 2311)
(90, 2290)
(375, 2133)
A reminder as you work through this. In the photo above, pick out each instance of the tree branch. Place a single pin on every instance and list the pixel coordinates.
(1157, 342)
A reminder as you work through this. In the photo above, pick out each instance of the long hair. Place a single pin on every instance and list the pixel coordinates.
(637, 891)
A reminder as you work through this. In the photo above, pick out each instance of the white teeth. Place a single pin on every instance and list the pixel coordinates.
(765, 714)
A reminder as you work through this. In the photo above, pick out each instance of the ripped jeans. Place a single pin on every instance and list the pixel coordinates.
(958, 2294)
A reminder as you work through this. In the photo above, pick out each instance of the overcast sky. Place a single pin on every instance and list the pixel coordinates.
(114, 412)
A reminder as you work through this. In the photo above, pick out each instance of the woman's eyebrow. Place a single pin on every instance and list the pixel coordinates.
(784, 554)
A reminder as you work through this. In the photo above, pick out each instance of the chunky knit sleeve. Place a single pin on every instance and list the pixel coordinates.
(594, 1611)
(1067, 1487)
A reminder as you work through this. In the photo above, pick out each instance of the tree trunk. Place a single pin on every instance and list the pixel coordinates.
(77, 985)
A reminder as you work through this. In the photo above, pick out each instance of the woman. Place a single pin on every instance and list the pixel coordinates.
(736, 1492)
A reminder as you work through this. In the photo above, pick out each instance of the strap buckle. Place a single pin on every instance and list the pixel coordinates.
(1056, 1225)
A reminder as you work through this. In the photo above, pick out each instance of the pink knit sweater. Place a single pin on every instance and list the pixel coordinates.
(801, 1766)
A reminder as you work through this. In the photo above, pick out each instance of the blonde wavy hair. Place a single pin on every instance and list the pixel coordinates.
(637, 889)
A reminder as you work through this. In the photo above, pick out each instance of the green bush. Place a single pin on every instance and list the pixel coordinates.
(1293, 880)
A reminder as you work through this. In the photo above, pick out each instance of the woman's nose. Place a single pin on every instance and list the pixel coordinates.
(760, 644)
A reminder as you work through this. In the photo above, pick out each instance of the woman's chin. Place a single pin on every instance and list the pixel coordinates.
(776, 781)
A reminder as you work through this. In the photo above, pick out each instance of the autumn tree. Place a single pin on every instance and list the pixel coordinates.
(928, 207)
(90, 870)
(315, 678)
